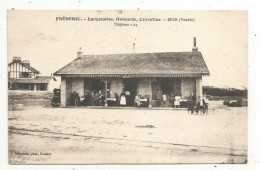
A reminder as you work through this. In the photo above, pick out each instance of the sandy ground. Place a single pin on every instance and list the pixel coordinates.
(42, 135)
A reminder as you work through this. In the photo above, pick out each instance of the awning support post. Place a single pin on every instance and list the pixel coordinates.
(150, 97)
(106, 81)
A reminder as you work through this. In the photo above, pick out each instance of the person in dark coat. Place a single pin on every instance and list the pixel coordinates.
(117, 99)
(191, 102)
(171, 99)
(148, 100)
(96, 97)
(87, 99)
(74, 99)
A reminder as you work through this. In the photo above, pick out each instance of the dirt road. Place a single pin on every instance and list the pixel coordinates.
(40, 135)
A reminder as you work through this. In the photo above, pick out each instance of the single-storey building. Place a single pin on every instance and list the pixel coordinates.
(143, 73)
(22, 76)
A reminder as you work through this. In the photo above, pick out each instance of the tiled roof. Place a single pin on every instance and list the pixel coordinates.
(38, 79)
(141, 64)
(25, 65)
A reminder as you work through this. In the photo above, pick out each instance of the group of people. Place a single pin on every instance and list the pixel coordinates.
(94, 98)
(74, 99)
(162, 98)
(142, 101)
(199, 104)
(125, 99)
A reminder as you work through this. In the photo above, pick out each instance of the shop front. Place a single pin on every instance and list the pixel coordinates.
(108, 91)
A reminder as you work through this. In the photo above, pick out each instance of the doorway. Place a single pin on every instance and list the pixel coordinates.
(166, 86)
(130, 89)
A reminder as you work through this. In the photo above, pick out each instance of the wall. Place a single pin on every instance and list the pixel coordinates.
(198, 87)
(116, 86)
(88, 84)
(155, 88)
(177, 86)
(63, 92)
(144, 88)
(53, 84)
(188, 85)
(68, 91)
(77, 85)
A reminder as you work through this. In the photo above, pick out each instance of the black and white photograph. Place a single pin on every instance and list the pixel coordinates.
(127, 87)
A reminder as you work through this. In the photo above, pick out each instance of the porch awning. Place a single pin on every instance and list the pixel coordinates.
(129, 76)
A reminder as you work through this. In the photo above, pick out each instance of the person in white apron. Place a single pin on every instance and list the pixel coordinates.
(177, 101)
(122, 99)
(137, 102)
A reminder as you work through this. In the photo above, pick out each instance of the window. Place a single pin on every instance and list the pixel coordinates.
(25, 75)
(41, 87)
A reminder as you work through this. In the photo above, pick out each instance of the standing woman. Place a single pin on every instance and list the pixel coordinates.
(177, 101)
(122, 99)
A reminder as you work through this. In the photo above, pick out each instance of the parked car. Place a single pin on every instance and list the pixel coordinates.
(234, 103)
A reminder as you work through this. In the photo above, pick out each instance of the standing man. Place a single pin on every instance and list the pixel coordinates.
(128, 97)
(191, 102)
(117, 99)
(148, 101)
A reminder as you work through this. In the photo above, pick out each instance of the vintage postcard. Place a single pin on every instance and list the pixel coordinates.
(127, 87)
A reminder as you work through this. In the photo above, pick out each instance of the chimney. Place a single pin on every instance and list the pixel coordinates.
(18, 59)
(195, 48)
(80, 53)
(133, 47)
(26, 62)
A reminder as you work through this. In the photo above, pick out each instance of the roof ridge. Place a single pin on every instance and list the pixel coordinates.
(138, 53)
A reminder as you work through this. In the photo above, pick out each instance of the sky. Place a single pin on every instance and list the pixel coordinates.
(222, 37)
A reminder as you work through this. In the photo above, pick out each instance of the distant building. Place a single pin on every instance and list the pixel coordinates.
(22, 76)
(146, 74)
